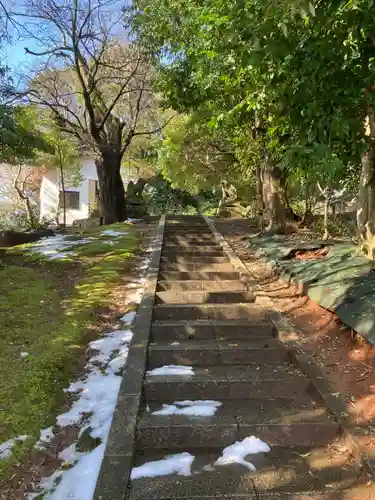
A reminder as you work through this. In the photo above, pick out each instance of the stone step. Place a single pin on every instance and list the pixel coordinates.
(175, 247)
(174, 312)
(198, 275)
(188, 254)
(200, 297)
(190, 231)
(285, 423)
(186, 222)
(186, 242)
(207, 286)
(208, 330)
(185, 219)
(180, 242)
(222, 267)
(186, 235)
(207, 353)
(189, 228)
(275, 381)
(183, 258)
(299, 473)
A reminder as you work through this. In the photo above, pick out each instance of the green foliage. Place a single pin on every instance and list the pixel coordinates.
(196, 156)
(161, 197)
(299, 75)
(20, 140)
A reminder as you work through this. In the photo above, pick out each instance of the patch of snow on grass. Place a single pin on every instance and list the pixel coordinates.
(132, 221)
(186, 371)
(236, 453)
(190, 408)
(7, 446)
(111, 232)
(108, 344)
(179, 464)
(78, 482)
(93, 412)
(56, 247)
(97, 396)
(69, 455)
(128, 318)
(46, 436)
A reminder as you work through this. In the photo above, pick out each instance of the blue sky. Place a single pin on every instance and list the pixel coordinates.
(15, 54)
(14, 51)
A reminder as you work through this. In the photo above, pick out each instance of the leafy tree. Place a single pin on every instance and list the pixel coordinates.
(299, 76)
(20, 140)
(192, 158)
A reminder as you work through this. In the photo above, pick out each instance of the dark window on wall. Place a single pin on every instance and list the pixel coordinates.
(71, 200)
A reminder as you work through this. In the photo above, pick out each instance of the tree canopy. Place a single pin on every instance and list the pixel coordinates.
(294, 79)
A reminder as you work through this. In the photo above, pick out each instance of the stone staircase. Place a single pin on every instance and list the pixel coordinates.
(206, 319)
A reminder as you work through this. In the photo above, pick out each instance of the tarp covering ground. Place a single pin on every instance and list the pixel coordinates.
(343, 281)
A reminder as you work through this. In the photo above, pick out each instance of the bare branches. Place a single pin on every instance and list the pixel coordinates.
(58, 51)
(156, 130)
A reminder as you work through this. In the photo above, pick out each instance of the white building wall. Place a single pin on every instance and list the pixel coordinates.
(50, 192)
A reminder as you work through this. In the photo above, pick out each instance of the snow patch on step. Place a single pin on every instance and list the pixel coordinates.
(190, 408)
(236, 453)
(183, 370)
(179, 464)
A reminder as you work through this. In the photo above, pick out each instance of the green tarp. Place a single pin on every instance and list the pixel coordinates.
(343, 281)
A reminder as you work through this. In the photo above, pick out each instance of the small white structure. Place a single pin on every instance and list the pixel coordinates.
(81, 198)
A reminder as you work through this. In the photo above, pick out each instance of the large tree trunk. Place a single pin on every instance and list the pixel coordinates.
(366, 195)
(111, 188)
(274, 196)
(366, 198)
(221, 204)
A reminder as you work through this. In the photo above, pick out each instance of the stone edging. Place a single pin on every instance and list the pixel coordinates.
(119, 453)
(287, 334)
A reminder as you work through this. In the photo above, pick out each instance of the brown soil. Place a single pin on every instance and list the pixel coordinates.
(317, 254)
(38, 464)
(346, 359)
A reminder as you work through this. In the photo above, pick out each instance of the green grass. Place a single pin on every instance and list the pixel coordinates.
(42, 313)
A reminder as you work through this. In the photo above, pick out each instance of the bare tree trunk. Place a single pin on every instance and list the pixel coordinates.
(333, 208)
(274, 196)
(25, 198)
(325, 224)
(62, 179)
(222, 200)
(111, 188)
(259, 197)
(30, 212)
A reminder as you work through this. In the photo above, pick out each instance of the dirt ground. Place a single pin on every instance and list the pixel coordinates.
(346, 360)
